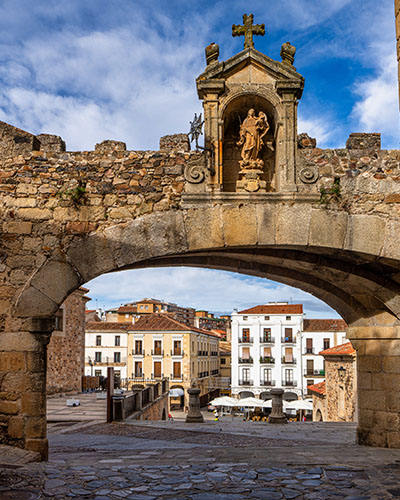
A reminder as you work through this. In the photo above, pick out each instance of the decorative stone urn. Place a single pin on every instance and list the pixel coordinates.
(277, 416)
(194, 415)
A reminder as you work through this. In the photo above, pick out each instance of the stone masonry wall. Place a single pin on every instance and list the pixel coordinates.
(66, 349)
(333, 384)
(155, 410)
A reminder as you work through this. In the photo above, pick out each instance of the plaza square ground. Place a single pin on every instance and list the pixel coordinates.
(230, 459)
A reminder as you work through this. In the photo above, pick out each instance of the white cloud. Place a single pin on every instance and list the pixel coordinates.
(320, 129)
(378, 107)
(217, 291)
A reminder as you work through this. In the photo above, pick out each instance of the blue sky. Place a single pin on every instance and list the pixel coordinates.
(90, 70)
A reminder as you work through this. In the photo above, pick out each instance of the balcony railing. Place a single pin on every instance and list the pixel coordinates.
(137, 352)
(246, 382)
(245, 340)
(177, 352)
(289, 383)
(214, 372)
(214, 353)
(268, 383)
(267, 360)
(288, 340)
(157, 352)
(267, 340)
(203, 374)
(291, 361)
(246, 361)
(202, 353)
(105, 360)
(176, 376)
(309, 350)
(314, 373)
(157, 376)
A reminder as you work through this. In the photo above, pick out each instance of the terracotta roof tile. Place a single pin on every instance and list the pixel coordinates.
(318, 388)
(274, 309)
(340, 350)
(165, 323)
(127, 309)
(106, 326)
(324, 325)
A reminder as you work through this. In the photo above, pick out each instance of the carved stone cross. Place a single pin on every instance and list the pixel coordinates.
(248, 30)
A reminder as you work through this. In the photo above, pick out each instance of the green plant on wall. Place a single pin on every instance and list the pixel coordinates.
(76, 194)
(330, 194)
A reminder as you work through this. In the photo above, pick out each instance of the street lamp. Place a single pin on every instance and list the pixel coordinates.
(342, 373)
(91, 366)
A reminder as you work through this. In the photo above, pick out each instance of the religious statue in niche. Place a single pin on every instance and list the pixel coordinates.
(251, 134)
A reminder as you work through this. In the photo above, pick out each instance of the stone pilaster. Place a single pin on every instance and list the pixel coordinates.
(378, 381)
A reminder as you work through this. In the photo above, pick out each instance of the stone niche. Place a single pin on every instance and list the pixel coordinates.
(248, 81)
(235, 114)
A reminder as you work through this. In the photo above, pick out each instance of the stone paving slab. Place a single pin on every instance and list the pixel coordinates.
(101, 466)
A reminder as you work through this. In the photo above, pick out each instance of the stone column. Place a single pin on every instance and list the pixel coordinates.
(378, 382)
(194, 415)
(277, 416)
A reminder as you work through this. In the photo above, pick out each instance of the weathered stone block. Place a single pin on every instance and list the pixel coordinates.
(321, 219)
(34, 213)
(49, 142)
(175, 142)
(204, 228)
(364, 141)
(16, 427)
(9, 407)
(369, 363)
(364, 234)
(110, 145)
(38, 445)
(293, 224)
(371, 400)
(266, 223)
(17, 227)
(239, 225)
(12, 361)
(33, 404)
(32, 302)
(16, 341)
(35, 428)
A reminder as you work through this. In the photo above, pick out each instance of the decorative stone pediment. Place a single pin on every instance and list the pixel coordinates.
(250, 121)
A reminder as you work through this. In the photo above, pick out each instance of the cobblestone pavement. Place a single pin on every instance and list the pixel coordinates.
(147, 461)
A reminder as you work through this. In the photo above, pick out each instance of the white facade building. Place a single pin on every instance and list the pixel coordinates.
(106, 345)
(269, 347)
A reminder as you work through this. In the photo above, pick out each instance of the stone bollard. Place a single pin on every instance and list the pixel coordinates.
(194, 415)
(277, 416)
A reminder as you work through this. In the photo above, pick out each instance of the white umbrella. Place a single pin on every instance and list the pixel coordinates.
(224, 401)
(250, 402)
(299, 404)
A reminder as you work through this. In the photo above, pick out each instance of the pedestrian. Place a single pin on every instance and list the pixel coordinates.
(216, 416)
(170, 417)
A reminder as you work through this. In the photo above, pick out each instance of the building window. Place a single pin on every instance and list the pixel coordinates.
(245, 318)
(117, 357)
(267, 374)
(288, 335)
(289, 376)
(97, 373)
(246, 374)
(146, 307)
(267, 335)
(309, 346)
(327, 343)
(157, 348)
(246, 334)
(138, 369)
(59, 320)
(157, 369)
(98, 339)
(288, 318)
(117, 340)
(177, 370)
(223, 361)
(138, 347)
(97, 357)
(266, 318)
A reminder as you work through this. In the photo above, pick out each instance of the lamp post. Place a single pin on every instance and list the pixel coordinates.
(342, 373)
(91, 366)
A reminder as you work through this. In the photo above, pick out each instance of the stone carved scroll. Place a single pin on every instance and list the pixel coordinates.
(195, 174)
(308, 175)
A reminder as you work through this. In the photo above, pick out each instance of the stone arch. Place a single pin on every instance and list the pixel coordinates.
(318, 416)
(246, 394)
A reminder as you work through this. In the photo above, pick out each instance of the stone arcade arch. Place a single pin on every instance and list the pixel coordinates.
(361, 287)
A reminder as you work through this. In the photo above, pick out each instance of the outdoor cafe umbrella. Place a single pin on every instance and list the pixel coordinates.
(250, 402)
(224, 401)
(299, 404)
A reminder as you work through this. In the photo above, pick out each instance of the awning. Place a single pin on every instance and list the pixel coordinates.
(176, 393)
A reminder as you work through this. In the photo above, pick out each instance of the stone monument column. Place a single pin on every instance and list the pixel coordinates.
(378, 383)
(194, 415)
(277, 416)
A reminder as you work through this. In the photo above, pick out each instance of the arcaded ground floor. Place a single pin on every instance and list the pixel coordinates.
(226, 460)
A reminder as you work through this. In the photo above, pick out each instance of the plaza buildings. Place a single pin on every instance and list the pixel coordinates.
(156, 346)
(274, 346)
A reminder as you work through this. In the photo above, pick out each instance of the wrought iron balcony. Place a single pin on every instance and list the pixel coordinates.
(246, 361)
(137, 352)
(289, 383)
(314, 373)
(268, 383)
(267, 360)
(286, 361)
(245, 340)
(246, 382)
(157, 352)
(288, 340)
(309, 350)
(267, 340)
(177, 352)
(176, 376)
